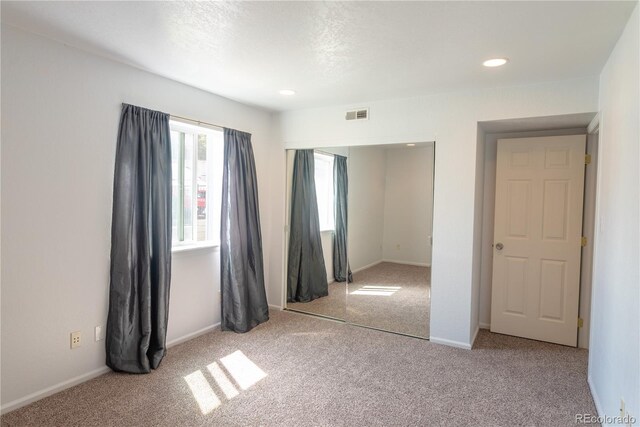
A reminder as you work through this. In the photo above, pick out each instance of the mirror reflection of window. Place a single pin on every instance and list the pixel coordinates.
(323, 176)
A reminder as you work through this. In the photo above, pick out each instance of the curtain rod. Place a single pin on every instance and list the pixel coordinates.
(196, 121)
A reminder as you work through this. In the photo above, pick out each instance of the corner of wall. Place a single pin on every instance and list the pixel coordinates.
(614, 356)
(476, 268)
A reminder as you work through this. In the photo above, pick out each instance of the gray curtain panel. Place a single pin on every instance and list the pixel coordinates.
(244, 300)
(140, 242)
(306, 275)
(341, 269)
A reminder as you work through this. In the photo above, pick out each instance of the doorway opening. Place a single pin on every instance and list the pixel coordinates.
(488, 134)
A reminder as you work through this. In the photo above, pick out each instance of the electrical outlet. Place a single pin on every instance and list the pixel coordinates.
(75, 339)
(98, 333)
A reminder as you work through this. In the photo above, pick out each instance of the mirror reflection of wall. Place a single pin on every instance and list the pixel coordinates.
(390, 228)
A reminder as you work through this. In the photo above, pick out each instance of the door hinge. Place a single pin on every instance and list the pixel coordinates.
(587, 159)
(583, 241)
(580, 322)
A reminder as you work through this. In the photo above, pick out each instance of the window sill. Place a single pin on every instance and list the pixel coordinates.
(196, 247)
(327, 231)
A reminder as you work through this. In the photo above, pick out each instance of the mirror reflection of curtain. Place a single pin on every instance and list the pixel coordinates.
(341, 269)
(306, 272)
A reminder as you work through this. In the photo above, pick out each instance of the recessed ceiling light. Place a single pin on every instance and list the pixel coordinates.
(287, 92)
(411, 145)
(495, 62)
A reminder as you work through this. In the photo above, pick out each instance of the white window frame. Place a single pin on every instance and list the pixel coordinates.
(214, 180)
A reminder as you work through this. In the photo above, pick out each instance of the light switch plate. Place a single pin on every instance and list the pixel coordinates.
(98, 333)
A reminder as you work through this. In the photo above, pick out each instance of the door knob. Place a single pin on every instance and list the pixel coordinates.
(499, 246)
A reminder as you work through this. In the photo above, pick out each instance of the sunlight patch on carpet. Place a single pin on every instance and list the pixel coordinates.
(202, 392)
(222, 380)
(242, 369)
(375, 290)
(244, 372)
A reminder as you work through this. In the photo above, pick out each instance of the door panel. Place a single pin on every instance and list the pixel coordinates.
(555, 201)
(516, 285)
(519, 195)
(538, 222)
(552, 289)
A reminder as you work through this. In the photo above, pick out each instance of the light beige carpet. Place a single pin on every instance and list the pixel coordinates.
(298, 370)
(388, 296)
(392, 297)
(333, 305)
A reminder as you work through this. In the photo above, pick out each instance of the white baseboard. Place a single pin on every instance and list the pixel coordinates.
(275, 307)
(366, 266)
(192, 335)
(596, 399)
(450, 343)
(417, 264)
(40, 394)
(483, 325)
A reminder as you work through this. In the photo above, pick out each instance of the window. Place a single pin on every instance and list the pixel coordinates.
(323, 165)
(196, 184)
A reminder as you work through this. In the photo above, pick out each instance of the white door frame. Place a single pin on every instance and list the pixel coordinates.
(586, 283)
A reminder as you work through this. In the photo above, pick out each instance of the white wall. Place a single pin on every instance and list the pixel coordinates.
(367, 166)
(614, 356)
(408, 205)
(450, 119)
(60, 113)
(478, 218)
(390, 205)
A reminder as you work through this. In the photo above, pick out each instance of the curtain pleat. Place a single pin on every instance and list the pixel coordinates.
(140, 242)
(306, 272)
(244, 300)
(341, 270)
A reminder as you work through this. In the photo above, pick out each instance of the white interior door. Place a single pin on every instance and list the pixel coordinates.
(537, 238)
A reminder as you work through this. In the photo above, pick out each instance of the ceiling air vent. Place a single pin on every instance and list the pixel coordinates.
(361, 114)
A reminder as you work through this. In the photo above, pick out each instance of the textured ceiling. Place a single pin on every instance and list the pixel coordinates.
(336, 52)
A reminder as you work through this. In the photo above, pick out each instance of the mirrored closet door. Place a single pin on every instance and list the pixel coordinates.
(390, 222)
(359, 226)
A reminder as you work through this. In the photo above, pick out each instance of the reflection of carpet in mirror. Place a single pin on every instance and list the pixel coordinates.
(332, 305)
(393, 297)
(389, 296)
